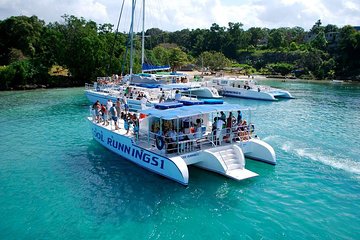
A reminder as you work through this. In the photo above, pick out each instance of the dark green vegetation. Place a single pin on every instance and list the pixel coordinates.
(29, 48)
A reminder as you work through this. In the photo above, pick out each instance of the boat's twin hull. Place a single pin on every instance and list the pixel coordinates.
(253, 93)
(125, 147)
(202, 92)
(259, 150)
(175, 168)
(243, 93)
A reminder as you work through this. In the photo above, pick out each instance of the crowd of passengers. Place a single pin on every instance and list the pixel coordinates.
(224, 128)
(133, 93)
(113, 112)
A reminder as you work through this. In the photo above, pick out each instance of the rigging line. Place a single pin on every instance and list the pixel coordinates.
(115, 38)
(129, 41)
(132, 39)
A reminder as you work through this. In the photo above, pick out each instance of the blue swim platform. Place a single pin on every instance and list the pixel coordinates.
(213, 101)
(191, 102)
(167, 105)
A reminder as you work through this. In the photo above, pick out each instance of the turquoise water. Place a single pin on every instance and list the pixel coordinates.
(58, 183)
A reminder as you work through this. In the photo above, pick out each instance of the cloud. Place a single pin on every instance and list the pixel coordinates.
(176, 15)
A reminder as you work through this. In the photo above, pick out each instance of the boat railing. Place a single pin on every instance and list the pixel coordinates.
(184, 142)
(89, 86)
(190, 142)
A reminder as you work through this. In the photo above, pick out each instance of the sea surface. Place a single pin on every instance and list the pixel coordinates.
(56, 182)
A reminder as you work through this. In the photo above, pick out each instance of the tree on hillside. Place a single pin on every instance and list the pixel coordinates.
(234, 38)
(212, 60)
(319, 41)
(198, 41)
(177, 58)
(22, 33)
(276, 38)
(155, 36)
(349, 50)
(181, 38)
(256, 34)
(316, 28)
(160, 55)
(282, 68)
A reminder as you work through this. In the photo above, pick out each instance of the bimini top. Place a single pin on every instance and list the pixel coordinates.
(174, 86)
(149, 68)
(193, 110)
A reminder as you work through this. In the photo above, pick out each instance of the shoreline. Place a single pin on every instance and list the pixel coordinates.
(206, 77)
(191, 75)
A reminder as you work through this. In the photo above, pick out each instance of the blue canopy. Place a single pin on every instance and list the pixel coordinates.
(147, 85)
(174, 86)
(193, 110)
(166, 105)
(191, 102)
(149, 68)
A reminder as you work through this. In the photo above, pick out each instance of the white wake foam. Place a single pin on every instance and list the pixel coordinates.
(286, 146)
(345, 164)
(270, 138)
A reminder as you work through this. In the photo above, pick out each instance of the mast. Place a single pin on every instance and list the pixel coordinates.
(143, 38)
(132, 39)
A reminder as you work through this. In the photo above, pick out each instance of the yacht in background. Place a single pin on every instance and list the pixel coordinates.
(246, 88)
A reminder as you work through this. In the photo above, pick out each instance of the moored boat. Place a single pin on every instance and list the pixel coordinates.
(167, 141)
(246, 88)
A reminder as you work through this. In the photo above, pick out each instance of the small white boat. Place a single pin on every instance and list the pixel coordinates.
(193, 89)
(153, 92)
(337, 81)
(164, 141)
(246, 88)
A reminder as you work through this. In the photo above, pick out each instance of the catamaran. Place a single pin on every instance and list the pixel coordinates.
(171, 136)
(107, 88)
(246, 88)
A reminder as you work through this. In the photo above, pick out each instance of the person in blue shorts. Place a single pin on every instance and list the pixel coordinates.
(114, 117)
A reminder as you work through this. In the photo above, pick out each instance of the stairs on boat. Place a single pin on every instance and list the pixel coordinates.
(226, 160)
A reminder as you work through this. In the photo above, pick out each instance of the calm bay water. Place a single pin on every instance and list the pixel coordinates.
(58, 183)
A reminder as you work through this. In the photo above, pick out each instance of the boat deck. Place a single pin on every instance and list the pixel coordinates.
(181, 148)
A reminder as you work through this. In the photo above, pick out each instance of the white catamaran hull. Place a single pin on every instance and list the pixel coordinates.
(259, 150)
(225, 160)
(203, 92)
(241, 88)
(244, 93)
(125, 147)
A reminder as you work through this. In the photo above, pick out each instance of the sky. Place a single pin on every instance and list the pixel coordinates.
(172, 15)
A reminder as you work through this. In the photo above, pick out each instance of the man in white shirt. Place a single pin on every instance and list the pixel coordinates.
(126, 106)
(177, 95)
(109, 104)
(219, 125)
(143, 102)
(172, 141)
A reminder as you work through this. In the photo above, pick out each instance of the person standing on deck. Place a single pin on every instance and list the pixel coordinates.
(177, 95)
(118, 107)
(143, 102)
(223, 116)
(97, 109)
(219, 125)
(103, 113)
(109, 104)
(239, 117)
(162, 97)
(126, 106)
(114, 115)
